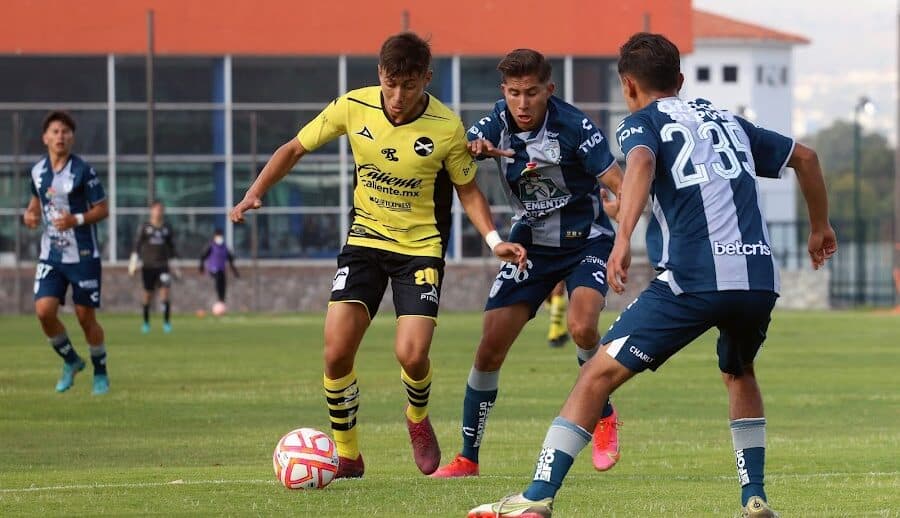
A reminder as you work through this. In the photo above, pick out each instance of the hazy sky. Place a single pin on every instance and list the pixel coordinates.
(853, 53)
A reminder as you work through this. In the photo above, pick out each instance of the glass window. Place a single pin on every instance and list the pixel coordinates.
(90, 134)
(595, 80)
(176, 184)
(703, 74)
(194, 79)
(283, 236)
(176, 132)
(53, 79)
(309, 184)
(287, 79)
(361, 71)
(274, 128)
(730, 74)
(479, 80)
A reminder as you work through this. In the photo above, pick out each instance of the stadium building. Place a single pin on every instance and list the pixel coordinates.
(218, 67)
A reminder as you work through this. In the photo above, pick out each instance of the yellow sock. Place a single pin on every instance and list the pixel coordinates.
(342, 396)
(557, 315)
(417, 393)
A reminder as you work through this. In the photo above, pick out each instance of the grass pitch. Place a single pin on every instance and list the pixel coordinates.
(190, 423)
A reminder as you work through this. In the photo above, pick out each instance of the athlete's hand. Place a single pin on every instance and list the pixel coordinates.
(250, 202)
(483, 147)
(512, 253)
(822, 245)
(610, 203)
(65, 221)
(132, 264)
(617, 265)
(176, 272)
(31, 218)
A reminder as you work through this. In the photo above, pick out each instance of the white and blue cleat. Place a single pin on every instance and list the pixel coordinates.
(68, 375)
(101, 384)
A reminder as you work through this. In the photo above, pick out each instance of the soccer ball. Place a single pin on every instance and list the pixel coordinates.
(219, 309)
(305, 458)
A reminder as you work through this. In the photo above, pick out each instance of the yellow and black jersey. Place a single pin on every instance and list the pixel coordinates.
(402, 188)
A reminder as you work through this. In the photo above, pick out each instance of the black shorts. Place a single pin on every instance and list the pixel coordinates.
(156, 278)
(363, 274)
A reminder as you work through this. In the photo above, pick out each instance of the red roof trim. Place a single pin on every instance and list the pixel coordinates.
(713, 26)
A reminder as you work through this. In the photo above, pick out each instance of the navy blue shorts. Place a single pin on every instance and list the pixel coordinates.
(53, 279)
(584, 266)
(659, 323)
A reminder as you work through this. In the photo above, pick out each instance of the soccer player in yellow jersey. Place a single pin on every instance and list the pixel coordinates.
(410, 151)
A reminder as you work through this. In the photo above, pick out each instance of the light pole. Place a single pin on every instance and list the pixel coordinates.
(864, 105)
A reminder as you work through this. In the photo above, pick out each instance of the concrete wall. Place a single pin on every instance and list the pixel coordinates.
(307, 287)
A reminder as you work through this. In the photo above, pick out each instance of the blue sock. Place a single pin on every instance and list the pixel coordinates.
(561, 445)
(98, 358)
(64, 348)
(481, 392)
(583, 356)
(749, 439)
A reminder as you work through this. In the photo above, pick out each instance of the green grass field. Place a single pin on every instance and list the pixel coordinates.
(190, 423)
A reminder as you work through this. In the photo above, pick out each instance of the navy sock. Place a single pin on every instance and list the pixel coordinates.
(481, 393)
(146, 313)
(562, 444)
(749, 438)
(64, 348)
(98, 358)
(167, 310)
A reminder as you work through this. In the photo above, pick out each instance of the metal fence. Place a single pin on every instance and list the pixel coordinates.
(861, 271)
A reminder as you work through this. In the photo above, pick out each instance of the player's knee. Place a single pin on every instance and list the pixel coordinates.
(86, 319)
(338, 359)
(413, 360)
(488, 358)
(45, 313)
(584, 334)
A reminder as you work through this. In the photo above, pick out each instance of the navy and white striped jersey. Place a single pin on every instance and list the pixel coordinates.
(552, 179)
(74, 189)
(708, 229)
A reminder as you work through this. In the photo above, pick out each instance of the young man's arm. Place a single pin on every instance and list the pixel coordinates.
(612, 182)
(32, 216)
(479, 213)
(231, 263)
(203, 257)
(284, 159)
(640, 166)
(822, 240)
(98, 212)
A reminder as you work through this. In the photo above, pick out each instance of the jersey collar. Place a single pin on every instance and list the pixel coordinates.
(414, 119)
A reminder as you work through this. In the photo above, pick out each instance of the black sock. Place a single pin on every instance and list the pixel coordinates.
(146, 313)
(64, 348)
(98, 358)
(167, 310)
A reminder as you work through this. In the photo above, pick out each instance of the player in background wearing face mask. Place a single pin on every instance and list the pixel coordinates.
(213, 261)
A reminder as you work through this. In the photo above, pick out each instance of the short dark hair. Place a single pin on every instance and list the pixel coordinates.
(154, 203)
(218, 232)
(652, 60)
(58, 115)
(525, 62)
(405, 54)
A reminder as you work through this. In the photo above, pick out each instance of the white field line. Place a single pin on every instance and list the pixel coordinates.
(496, 477)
